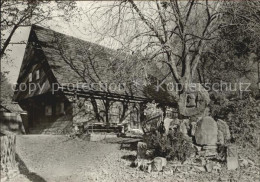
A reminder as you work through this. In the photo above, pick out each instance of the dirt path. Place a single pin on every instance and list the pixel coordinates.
(58, 158)
(44, 158)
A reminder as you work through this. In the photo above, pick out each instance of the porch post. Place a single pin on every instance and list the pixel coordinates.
(142, 106)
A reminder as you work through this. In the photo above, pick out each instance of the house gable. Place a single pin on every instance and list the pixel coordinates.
(35, 77)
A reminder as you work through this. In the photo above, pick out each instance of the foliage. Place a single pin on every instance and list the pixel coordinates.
(242, 116)
(240, 26)
(234, 55)
(174, 146)
(179, 147)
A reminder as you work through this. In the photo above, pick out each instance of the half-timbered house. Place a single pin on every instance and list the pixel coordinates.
(58, 82)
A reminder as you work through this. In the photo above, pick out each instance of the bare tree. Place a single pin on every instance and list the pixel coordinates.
(173, 32)
(15, 14)
(97, 69)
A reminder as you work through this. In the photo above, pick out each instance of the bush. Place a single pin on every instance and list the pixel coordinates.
(174, 146)
(242, 118)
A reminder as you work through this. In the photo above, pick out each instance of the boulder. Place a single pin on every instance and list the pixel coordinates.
(223, 127)
(141, 150)
(221, 139)
(159, 163)
(167, 123)
(232, 163)
(206, 131)
(232, 157)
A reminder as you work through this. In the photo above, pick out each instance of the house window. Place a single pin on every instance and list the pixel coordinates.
(48, 110)
(37, 74)
(30, 77)
(60, 108)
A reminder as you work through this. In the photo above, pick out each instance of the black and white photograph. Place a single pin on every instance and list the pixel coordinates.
(130, 91)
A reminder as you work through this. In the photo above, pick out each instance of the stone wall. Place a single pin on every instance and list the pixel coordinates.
(8, 163)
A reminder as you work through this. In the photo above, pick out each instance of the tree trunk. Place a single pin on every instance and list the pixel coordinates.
(125, 109)
(95, 108)
(6, 43)
(142, 116)
(106, 104)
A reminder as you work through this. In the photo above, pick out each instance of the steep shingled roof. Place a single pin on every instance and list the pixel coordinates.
(68, 55)
(72, 60)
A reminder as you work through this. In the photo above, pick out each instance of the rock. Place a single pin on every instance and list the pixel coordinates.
(191, 100)
(159, 163)
(199, 168)
(186, 101)
(243, 163)
(209, 167)
(250, 162)
(168, 172)
(193, 128)
(149, 153)
(167, 123)
(206, 131)
(141, 150)
(200, 161)
(197, 148)
(221, 139)
(206, 112)
(232, 163)
(246, 162)
(217, 167)
(210, 150)
(232, 157)
(183, 129)
(142, 164)
(223, 127)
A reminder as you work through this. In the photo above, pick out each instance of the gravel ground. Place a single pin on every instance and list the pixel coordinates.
(44, 158)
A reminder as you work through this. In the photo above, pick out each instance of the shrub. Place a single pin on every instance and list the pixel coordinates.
(174, 146)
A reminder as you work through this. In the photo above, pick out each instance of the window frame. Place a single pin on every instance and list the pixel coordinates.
(37, 74)
(30, 77)
(46, 110)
